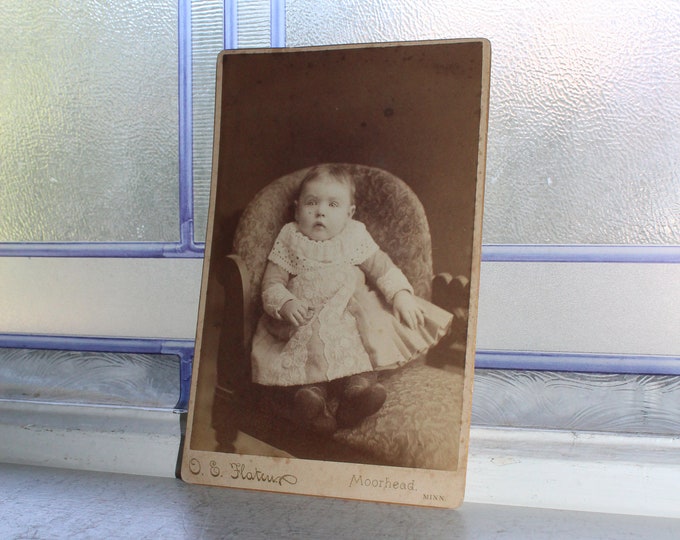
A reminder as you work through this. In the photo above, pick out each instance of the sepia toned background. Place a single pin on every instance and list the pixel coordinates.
(419, 120)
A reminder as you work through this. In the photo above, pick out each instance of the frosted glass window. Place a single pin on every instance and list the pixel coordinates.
(88, 121)
(254, 23)
(207, 40)
(584, 134)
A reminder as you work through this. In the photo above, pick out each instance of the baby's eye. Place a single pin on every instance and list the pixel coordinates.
(334, 204)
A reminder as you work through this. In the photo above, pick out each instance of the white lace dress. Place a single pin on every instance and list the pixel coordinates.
(352, 328)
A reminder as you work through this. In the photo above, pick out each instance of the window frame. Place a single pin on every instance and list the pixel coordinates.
(188, 247)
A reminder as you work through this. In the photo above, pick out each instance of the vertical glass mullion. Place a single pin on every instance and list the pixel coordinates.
(278, 23)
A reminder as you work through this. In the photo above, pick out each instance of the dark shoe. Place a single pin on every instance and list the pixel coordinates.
(324, 423)
(357, 385)
(308, 403)
(359, 404)
(311, 411)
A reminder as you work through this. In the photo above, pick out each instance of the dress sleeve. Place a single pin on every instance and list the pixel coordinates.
(385, 275)
(274, 290)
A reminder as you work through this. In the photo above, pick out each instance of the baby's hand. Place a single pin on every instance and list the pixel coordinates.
(407, 310)
(296, 312)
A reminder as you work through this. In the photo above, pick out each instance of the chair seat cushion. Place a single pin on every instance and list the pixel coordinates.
(414, 427)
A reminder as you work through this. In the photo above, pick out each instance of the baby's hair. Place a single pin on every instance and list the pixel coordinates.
(337, 172)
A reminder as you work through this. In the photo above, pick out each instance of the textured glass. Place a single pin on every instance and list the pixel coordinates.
(577, 401)
(88, 121)
(122, 379)
(207, 40)
(254, 23)
(584, 127)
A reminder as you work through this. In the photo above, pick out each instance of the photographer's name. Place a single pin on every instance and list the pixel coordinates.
(381, 483)
(239, 471)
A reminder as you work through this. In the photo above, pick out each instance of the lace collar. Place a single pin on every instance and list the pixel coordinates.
(296, 253)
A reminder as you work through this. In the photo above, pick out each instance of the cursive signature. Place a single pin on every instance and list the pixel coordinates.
(239, 471)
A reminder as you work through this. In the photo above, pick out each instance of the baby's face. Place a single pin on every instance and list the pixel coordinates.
(324, 208)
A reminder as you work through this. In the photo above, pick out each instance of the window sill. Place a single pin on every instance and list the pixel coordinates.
(88, 437)
(576, 471)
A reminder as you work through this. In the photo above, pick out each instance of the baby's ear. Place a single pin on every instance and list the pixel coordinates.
(351, 210)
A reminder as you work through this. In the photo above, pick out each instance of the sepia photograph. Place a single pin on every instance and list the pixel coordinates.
(336, 330)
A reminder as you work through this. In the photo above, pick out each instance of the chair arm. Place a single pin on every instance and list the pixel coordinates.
(235, 279)
(233, 365)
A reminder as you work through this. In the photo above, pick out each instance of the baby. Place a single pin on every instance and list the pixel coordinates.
(323, 328)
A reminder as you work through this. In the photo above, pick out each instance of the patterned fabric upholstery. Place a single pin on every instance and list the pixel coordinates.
(415, 426)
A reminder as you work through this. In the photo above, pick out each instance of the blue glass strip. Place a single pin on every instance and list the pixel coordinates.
(186, 138)
(102, 249)
(230, 24)
(184, 348)
(278, 23)
(490, 252)
(580, 253)
(578, 362)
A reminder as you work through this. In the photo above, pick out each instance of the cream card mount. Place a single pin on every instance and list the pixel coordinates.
(348, 179)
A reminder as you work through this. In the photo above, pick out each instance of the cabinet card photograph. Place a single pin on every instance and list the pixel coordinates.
(336, 330)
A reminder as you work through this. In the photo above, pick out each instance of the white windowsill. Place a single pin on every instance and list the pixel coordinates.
(96, 438)
(532, 468)
(590, 472)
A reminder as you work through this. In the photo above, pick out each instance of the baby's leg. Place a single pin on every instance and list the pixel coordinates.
(310, 408)
(362, 396)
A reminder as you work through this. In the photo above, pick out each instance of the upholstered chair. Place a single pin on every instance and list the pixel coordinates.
(419, 424)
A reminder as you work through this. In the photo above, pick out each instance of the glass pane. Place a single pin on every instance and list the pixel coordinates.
(207, 40)
(584, 134)
(122, 379)
(254, 23)
(88, 121)
(615, 403)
